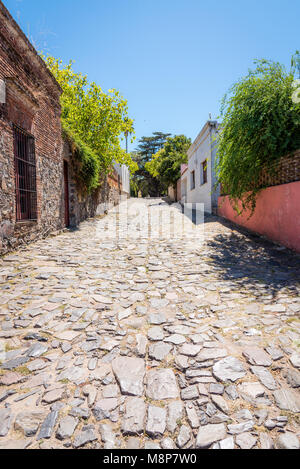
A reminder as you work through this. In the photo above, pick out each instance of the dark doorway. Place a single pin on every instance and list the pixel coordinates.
(66, 181)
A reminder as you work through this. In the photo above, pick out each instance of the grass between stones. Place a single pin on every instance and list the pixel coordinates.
(291, 416)
(64, 381)
(23, 370)
(9, 348)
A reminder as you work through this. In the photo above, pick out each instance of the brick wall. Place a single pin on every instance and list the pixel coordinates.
(283, 171)
(32, 103)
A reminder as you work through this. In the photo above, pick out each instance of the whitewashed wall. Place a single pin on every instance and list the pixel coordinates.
(201, 193)
(124, 173)
(202, 149)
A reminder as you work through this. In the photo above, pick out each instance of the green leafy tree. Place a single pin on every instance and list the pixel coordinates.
(142, 180)
(166, 163)
(86, 164)
(148, 146)
(98, 119)
(261, 123)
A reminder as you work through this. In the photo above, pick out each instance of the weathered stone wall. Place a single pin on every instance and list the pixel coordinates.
(51, 210)
(32, 103)
(82, 207)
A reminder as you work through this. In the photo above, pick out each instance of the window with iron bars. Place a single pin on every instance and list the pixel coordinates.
(193, 182)
(25, 172)
(204, 172)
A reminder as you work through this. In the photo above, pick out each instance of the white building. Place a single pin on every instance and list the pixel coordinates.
(124, 175)
(198, 179)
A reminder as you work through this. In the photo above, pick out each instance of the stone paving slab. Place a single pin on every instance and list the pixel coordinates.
(145, 342)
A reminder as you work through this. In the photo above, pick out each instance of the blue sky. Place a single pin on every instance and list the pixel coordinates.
(173, 60)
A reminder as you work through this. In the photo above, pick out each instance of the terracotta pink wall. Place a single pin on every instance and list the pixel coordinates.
(183, 168)
(277, 214)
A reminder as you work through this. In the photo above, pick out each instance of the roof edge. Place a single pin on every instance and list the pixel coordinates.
(207, 125)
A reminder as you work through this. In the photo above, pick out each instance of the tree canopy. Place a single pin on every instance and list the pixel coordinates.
(142, 180)
(261, 123)
(148, 146)
(98, 119)
(166, 163)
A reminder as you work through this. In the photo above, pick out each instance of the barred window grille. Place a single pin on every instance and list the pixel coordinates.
(193, 183)
(204, 172)
(25, 171)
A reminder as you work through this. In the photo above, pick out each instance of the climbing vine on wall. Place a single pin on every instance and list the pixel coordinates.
(85, 162)
(261, 123)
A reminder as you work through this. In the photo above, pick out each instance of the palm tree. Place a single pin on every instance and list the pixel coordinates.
(296, 61)
(128, 131)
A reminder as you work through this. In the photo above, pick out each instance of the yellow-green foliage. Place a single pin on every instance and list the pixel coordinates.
(166, 163)
(85, 162)
(96, 120)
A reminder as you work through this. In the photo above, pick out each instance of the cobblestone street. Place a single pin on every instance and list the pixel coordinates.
(150, 342)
